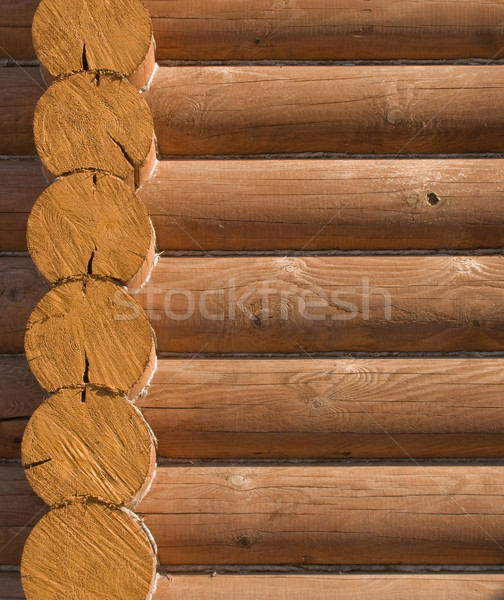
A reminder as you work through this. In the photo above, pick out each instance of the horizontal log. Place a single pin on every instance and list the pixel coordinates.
(298, 408)
(305, 515)
(316, 587)
(313, 29)
(22, 183)
(300, 305)
(237, 205)
(325, 205)
(20, 509)
(328, 587)
(20, 90)
(348, 109)
(325, 304)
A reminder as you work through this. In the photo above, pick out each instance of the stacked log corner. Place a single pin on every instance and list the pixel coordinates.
(87, 450)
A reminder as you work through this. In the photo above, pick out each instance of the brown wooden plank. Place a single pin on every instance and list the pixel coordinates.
(347, 109)
(327, 515)
(351, 109)
(15, 29)
(300, 408)
(290, 204)
(22, 183)
(312, 29)
(20, 90)
(20, 509)
(316, 587)
(301, 305)
(366, 408)
(323, 304)
(280, 586)
(325, 205)
(21, 287)
(304, 515)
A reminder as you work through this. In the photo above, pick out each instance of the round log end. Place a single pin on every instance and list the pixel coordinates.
(90, 331)
(86, 551)
(93, 121)
(91, 224)
(88, 443)
(71, 35)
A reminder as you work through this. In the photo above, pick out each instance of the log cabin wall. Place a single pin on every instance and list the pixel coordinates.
(327, 301)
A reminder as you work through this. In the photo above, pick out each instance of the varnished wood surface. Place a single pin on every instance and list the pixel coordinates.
(248, 205)
(301, 408)
(308, 30)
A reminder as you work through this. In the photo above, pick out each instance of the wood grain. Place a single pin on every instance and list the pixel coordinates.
(93, 121)
(324, 304)
(364, 408)
(327, 515)
(300, 408)
(88, 551)
(91, 224)
(348, 109)
(88, 444)
(311, 515)
(316, 587)
(288, 204)
(308, 30)
(20, 90)
(70, 36)
(90, 331)
(328, 587)
(326, 204)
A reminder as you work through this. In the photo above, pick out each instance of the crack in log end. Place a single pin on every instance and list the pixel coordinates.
(90, 263)
(85, 376)
(125, 154)
(95, 179)
(83, 396)
(85, 64)
(37, 464)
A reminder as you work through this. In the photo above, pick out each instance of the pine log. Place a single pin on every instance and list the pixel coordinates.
(327, 515)
(91, 224)
(70, 35)
(237, 205)
(90, 331)
(298, 305)
(298, 408)
(309, 515)
(281, 586)
(20, 509)
(22, 183)
(325, 304)
(20, 90)
(311, 30)
(88, 444)
(348, 109)
(88, 551)
(93, 121)
(21, 287)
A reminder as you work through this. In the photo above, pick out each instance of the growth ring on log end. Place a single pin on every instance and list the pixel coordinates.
(93, 121)
(88, 443)
(72, 35)
(91, 224)
(88, 551)
(90, 331)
